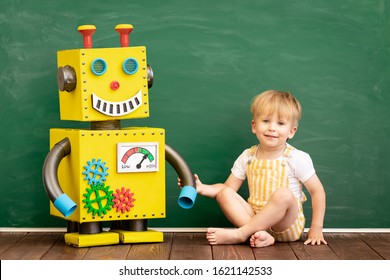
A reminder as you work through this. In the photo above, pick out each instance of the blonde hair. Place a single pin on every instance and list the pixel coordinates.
(284, 104)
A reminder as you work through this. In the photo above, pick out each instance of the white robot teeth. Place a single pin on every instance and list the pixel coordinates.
(114, 109)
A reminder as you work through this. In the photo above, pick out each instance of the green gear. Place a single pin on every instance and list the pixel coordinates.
(98, 199)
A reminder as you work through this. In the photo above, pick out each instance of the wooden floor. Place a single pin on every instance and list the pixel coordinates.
(194, 246)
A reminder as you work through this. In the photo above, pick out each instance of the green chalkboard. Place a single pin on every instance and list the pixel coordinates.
(209, 59)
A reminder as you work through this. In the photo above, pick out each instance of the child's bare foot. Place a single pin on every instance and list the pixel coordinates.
(217, 236)
(261, 239)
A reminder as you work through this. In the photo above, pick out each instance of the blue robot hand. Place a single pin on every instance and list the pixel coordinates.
(187, 197)
(65, 205)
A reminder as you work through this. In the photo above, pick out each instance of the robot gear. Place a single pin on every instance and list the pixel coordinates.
(95, 171)
(98, 199)
(123, 200)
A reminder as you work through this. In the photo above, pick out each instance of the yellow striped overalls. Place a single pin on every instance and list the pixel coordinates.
(266, 176)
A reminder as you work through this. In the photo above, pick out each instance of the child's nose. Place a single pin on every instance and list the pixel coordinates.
(271, 126)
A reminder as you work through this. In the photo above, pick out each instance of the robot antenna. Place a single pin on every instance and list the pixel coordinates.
(124, 31)
(87, 31)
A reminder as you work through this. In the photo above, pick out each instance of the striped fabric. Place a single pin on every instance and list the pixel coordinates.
(265, 176)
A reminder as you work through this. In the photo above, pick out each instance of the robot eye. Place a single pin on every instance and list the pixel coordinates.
(130, 66)
(98, 66)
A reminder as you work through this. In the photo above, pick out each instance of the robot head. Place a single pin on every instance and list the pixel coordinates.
(99, 84)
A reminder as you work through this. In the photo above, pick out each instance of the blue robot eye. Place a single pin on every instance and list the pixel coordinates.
(98, 66)
(130, 66)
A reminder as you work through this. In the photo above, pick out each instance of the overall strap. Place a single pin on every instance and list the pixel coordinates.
(253, 150)
(288, 150)
(286, 153)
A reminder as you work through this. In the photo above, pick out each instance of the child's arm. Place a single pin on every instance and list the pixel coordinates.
(212, 190)
(318, 198)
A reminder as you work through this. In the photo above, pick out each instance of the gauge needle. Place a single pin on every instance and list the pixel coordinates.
(139, 164)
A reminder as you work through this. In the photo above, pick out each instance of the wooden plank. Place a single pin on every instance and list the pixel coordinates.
(348, 246)
(31, 247)
(62, 251)
(113, 252)
(312, 252)
(8, 239)
(379, 242)
(190, 246)
(278, 251)
(233, 252)
(152, 251)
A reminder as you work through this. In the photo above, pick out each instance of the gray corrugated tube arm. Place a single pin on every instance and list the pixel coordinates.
(50, 178)
(188, 193)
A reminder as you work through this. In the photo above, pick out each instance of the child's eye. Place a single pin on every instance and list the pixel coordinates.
(281, 123)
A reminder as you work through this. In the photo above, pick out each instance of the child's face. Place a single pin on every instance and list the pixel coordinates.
(273, 131)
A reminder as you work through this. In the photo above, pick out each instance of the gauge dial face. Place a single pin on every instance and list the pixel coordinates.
(137, 157)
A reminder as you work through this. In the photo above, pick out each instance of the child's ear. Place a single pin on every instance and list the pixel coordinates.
(293, 130)
(253, 126)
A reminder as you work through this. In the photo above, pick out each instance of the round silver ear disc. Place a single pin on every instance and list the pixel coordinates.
(66, 78)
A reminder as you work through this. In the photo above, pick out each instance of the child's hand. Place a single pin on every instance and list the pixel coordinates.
(198, 183)
(315, 236)
(179, 183)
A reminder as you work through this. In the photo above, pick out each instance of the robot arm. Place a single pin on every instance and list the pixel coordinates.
(188, 193)
(50, 179)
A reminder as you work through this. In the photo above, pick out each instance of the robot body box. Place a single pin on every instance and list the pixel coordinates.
(113, 174)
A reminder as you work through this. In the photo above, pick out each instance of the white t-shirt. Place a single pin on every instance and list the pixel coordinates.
(299, 169)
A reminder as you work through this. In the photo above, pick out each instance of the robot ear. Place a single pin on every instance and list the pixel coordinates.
(66, 78)
(150, 76)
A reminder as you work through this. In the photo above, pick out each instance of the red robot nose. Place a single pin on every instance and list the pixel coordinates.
(114, 85)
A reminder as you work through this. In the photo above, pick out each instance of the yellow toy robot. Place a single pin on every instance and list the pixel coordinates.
(108, 173)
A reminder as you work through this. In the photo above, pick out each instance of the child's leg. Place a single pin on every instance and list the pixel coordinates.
(235, 208)
(279, 213)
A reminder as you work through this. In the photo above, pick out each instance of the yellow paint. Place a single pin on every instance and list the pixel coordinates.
(123, 26)
(86, 27)
(140, 236)
(87, 240)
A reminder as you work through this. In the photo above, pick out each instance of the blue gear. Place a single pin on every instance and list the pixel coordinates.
(95, 172)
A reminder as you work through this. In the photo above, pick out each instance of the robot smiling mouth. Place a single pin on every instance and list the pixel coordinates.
(115, 109)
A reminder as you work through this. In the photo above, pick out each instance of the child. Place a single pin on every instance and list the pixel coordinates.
(275, 172)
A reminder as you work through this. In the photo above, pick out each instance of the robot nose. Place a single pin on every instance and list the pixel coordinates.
(114, 85)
